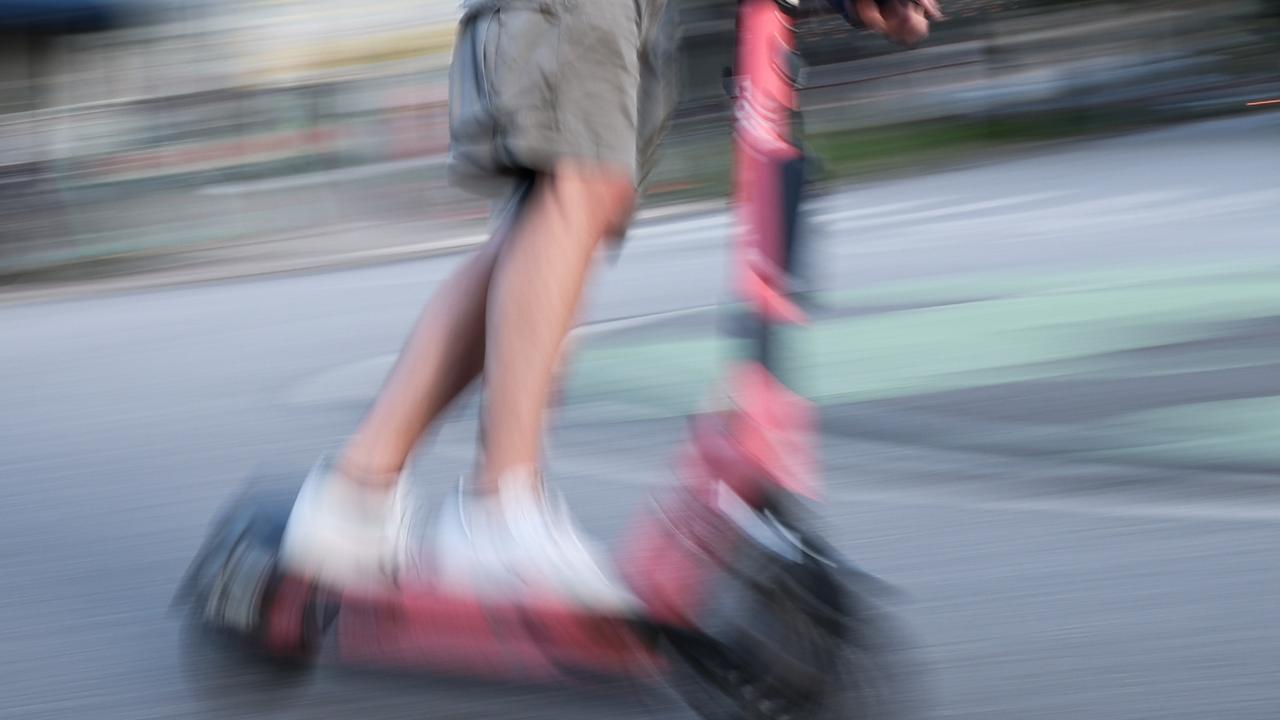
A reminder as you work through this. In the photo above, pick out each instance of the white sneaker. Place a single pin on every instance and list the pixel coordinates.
(346, 534)
(466, 557)
(520, 542)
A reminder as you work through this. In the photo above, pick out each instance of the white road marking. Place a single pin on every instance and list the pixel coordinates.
(666, 228)
(853, 209)
(661, 476)
(603, 326)
(719, 227)
(1098, 211)
(1014, 226)
(963, 208)
(359, 381)
(1096, 507)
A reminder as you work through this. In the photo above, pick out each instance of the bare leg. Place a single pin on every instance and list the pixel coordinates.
(532, 303)
(444, 353)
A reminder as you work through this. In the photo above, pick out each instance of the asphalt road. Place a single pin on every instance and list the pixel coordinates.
(1127, 573)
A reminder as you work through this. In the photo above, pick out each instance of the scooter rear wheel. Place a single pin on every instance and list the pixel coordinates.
(236, 597)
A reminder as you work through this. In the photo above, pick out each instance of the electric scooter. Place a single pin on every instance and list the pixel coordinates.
(744, 609)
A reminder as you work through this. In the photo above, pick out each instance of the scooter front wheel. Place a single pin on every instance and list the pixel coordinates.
(793, 639)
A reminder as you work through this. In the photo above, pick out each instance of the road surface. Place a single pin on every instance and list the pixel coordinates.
(1048, 388)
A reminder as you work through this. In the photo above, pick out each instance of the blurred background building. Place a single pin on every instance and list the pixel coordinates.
(131, 128)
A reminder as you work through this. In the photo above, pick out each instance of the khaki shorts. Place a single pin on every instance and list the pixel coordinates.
(534, 82)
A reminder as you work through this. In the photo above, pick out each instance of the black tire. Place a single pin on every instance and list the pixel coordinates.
(229, 592)
(796, 634)
(881, 678)
(870, 674)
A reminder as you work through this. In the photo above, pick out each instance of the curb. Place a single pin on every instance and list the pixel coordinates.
(214, 271)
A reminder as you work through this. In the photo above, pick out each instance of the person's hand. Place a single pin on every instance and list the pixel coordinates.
(902, 21)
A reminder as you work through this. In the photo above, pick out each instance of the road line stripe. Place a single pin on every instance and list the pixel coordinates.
(665, 228)
(865, 210)
(659, 476)
(1101, 507)
(911, 217)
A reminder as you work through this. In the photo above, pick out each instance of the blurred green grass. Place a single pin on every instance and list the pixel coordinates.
(697, 165)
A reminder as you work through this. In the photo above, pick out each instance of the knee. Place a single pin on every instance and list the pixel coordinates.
(602, 198)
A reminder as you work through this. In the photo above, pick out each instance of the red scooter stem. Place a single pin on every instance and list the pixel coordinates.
(764, 149)
(767, 440)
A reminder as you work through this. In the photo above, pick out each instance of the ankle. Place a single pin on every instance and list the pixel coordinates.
(366, 476)
(521, 479)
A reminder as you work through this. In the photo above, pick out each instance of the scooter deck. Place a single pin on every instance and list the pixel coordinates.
(451, 630)
(792, 615)
(236, 583)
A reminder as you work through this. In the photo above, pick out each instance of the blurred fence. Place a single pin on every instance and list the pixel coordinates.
(1069, 55)
(224, 128)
